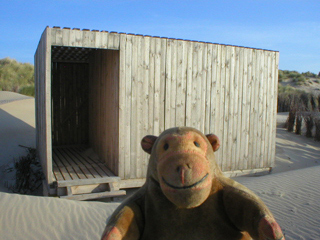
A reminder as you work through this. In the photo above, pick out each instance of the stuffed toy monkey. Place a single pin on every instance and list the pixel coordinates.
(186, 196)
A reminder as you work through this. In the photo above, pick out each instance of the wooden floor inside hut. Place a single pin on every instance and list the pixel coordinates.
(78, 163)
(78, 166)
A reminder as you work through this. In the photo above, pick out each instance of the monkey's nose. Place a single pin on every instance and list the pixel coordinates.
(184, 172)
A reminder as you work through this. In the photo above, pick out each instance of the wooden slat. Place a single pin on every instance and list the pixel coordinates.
(146, 102)
(168, 81)
(134, 103)
(95, 195)
(203, 81)
(128, 96)
(215, 122)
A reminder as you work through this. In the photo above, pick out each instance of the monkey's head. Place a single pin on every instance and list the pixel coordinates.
(182, 161)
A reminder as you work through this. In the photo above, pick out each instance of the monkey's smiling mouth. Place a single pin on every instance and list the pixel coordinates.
(185, 187)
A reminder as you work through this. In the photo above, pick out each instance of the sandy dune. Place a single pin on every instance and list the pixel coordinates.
(292, 191)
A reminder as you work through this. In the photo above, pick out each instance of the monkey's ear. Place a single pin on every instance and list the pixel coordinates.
(147, 143)
(214, 140)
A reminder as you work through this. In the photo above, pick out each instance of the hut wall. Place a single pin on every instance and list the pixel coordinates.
(227, 90)
(43, 108)
(104, 106)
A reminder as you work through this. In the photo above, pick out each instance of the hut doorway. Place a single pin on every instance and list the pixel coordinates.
(84, 112)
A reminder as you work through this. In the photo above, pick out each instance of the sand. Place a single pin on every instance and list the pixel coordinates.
(291, 191)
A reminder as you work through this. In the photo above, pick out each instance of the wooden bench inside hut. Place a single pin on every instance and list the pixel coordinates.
(83, 120)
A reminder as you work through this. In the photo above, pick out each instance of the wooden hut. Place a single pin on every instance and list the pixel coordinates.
(98, 93)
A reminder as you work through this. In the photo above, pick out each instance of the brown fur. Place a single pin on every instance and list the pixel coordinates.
(186, 196)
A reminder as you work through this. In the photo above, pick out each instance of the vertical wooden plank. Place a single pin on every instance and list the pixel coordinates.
(168, 85)
(72, 37)
(231, 105)
(203, 82)
(181, 83)
(269, 105)
(216, 93)
(66, 37)
(57, 34)
(222, 108)
(128, 158)
(249, 115)
(275, 67)
(97, 43)
(173, 90)
(189, 88)
(140, 99)
(113, 40)
(209, 84)
(242, 73)
(226, 90)
(163, 57)
(254, 109)
(151, 89)
(134, 103)
(104, 39)
(263, 110)
(85, 40)
(146, 100)
(196, 86)
(78, 37)
(236, 119)
(155, 66)
(124, 106)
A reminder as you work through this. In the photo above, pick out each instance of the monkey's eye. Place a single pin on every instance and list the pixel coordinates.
(166, 146)
(196, 144)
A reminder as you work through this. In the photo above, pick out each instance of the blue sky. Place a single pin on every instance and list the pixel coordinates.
(289, 26)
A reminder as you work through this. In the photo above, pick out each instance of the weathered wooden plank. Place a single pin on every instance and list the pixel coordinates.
(57, 173)
(237, 85)
(230, 86)
(139, 107)
(113, 41)
(155, 70)
(151, 88)
(132, 183)
(173, 79)
(146, 102)
(203, 81)
(269, 104)
(208, 89)
(79, 182)
(254, 110)
(215, 126)
(128, 113)
(222, 127)
(75, 154)
(242, 84)
(189, 84)
(134, 103)
(168, 85)
(163, 57)
(122, 106)
(263, 109)
(247, 141)
(66, 41)
(275, 67)
(95, 195)
(225, 143)
(182, 62)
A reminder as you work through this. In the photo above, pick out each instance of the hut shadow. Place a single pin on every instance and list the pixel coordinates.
(295, 151)
(13, 132)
